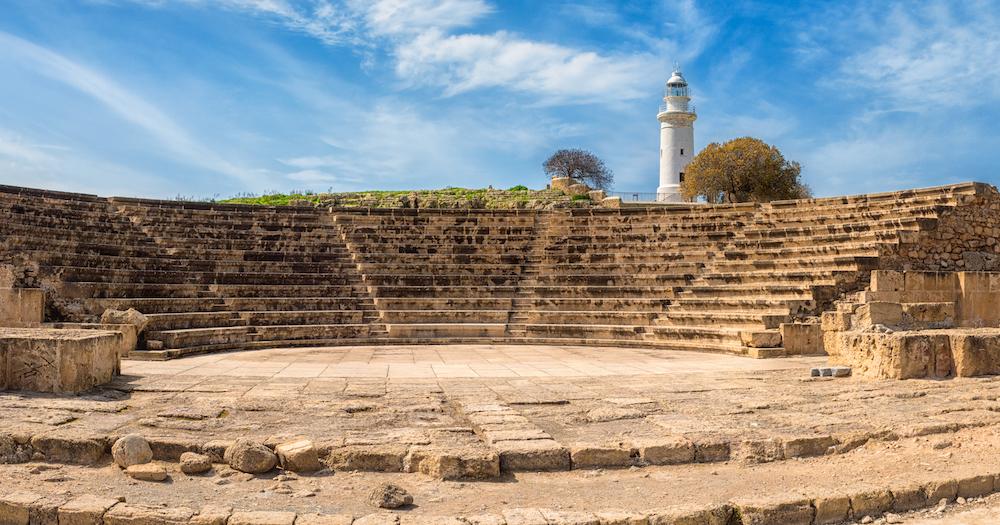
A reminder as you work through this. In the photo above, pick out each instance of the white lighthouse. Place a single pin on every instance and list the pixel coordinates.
(676, 137)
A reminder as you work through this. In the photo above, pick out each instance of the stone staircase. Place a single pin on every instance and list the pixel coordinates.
(695, 277)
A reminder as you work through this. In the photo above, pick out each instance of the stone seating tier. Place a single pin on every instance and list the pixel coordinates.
(212, 277)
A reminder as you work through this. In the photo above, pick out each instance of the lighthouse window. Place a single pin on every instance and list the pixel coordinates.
(682, 151)
(682, 177)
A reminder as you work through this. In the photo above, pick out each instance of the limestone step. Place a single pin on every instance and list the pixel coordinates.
(775, 289)
(443, 303)
(146, 290)
(242, 334)
(714, 334)
(435, 330)
(76, 235)
(771, 230)
(814, 240)
(411, 259)
(586, 331)
(731, 319)
(429, 279)
(178, 320)
(739, 304)
(609, 304)
(833, 217)
(444, 316)
(595, 317)
(822, 263)
(50, 258)
(779, 277)
(90, 274)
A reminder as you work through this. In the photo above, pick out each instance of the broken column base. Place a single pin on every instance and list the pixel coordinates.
(956, 352)
(59, 361)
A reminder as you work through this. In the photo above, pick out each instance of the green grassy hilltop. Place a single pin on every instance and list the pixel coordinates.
(518, 197)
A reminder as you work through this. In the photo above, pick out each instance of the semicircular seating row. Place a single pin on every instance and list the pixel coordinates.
(219, 277)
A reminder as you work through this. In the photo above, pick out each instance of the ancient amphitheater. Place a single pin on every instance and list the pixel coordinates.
(661, 364)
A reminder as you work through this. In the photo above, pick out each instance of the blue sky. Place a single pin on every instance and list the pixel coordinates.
(207, 98)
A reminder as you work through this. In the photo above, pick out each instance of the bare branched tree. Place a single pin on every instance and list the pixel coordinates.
(581, 165)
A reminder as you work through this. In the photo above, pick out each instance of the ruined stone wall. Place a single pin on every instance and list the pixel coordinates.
(966, 237)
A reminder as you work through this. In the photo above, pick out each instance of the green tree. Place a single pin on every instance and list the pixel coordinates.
(581, 165)
(742, 170)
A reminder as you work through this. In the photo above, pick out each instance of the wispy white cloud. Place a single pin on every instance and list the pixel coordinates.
(400, 17)
(28, 162)
(915, 56)
(461, 63)
(124, 103)
(423, 37)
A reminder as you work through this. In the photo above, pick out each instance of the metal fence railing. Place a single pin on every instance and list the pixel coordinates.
(634, 196)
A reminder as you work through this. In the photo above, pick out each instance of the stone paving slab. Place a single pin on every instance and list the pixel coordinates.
(702, 408)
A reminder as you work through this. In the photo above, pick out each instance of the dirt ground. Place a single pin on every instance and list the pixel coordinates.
(908, 432)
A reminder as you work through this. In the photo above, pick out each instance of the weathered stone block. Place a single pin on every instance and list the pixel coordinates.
(711, 451)
(212, 515)
(533, 455)
(871, 314)
(325, 519)
(872, 503)
(85, 510)
(832, 509)
(21, 306)
(61, 361)
(835, 321)
(596, 455)
(262, 517)
(758, 451)
(563, 517)
(382, 458)
(975, 354)
(930, 315)
(802, 338)
(15, 507)
(453, 464)
(671, 450)
(767, 512)
(65, 446)
(130, 514)
(761, 338)
(975, 486)
(298, 456)
(939, 490)
(909, 497)
(45, 510)
(610, 517)
(524, 517)
(887, 281)
(807, 446)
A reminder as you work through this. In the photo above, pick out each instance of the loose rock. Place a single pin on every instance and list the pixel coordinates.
(132, 449)
(193, 463)
(389, 496)
(250, 456)
(146, 472)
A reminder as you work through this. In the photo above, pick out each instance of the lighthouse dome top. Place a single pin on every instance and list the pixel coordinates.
(677, 79)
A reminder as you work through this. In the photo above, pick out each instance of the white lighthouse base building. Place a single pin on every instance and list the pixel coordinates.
(676, 118)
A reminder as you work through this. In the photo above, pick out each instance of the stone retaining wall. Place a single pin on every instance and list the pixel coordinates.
(964, 238)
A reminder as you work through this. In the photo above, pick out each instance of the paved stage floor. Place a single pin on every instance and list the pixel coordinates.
(457, 361)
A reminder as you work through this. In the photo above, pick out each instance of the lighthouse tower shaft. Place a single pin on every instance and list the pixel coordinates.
(676, 118)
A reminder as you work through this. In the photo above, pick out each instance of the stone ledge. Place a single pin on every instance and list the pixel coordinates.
(25, 508)
(520, 453)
